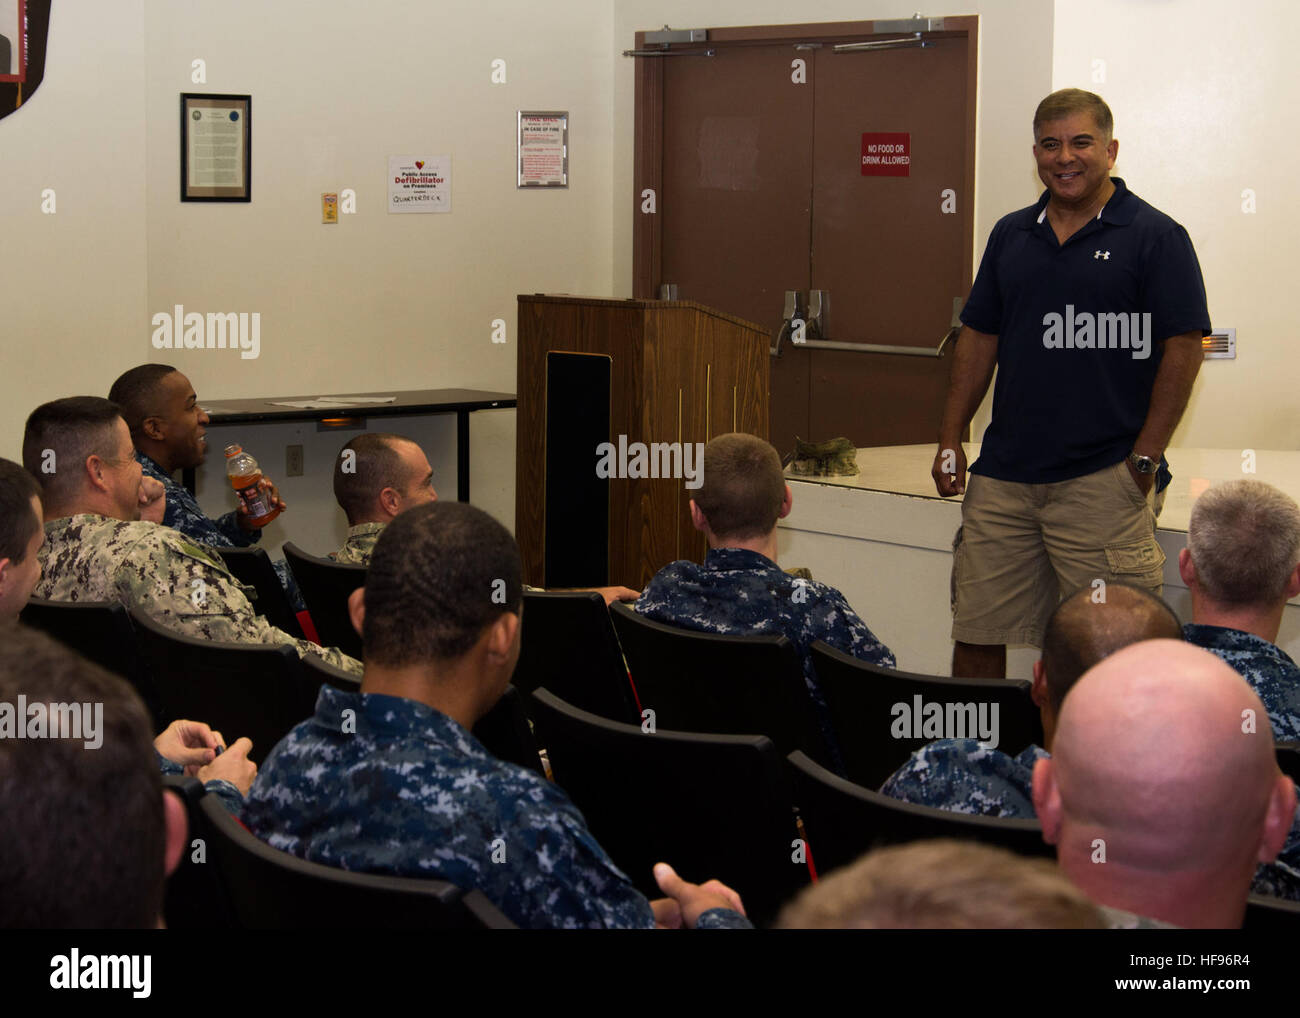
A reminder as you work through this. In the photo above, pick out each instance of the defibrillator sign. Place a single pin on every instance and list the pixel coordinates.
(887, 154)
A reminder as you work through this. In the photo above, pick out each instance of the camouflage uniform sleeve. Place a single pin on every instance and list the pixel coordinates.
(656, 598)
(187, 588)
(842, 628)
(184, 515)
(962, 776)
(582, 887)
(1276, 880)
(1281, 878)
(228, 794)
(228, 526)
(722, 919)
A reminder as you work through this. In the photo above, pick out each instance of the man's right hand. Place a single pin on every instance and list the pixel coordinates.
(690, 900)
(949, 470)
(234, 766)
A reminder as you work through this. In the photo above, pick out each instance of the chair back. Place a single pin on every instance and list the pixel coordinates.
(252, 567)
(843, 820)
(568, 645)
(505, 732)
(270, 889)
(880, 714)
(99, 631)
(712, 806)
(195, 897)
(734, 685)
(240, 689)
(326, 586)
(1267, 913)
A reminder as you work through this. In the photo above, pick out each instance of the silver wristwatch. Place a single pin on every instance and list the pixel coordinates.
(1143, 464)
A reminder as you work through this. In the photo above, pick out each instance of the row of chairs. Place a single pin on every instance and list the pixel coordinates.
(694, 681)
(256, 690)
(325, 586)
(228, 878)
(742, 685)
(715, 805)
(729, 806)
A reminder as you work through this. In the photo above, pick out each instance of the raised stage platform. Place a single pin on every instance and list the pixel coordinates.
(884, 538)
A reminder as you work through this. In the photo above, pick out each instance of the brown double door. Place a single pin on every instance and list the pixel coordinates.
(760, 190)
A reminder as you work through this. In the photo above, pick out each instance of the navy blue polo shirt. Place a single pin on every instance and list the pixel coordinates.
(1080, 330)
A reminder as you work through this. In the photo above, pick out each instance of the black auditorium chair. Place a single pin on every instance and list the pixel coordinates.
(568, 645)
(326, 586)
(252, 567)
(327, 674)
(1267, 913)
(712, 806)
(270, 889)
(241, 689)
(195, 897)
(505, 732)
(1288, 760)
(703, 682)
(862, 698)
(843, 820)
(99, 631)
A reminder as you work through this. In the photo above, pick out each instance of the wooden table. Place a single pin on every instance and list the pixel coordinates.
(461, 402)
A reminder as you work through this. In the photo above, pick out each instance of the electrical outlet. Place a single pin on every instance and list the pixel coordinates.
(293, 461)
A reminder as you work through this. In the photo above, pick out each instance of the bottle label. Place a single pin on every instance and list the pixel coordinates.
(253, 500)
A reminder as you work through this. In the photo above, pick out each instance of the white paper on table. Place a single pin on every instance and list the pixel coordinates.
(356, 399)
(306, 404)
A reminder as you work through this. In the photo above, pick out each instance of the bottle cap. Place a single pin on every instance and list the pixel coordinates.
(233, 450)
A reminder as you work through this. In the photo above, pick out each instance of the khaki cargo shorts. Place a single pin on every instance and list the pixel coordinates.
(1022, 547)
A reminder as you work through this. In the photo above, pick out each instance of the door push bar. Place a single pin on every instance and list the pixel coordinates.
(812, 319)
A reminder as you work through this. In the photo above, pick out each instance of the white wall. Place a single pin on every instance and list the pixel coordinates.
(73, 289)
(1201, 100)
(377, 301)
(1204, 100)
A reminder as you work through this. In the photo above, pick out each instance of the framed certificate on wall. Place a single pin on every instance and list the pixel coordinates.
(216, 147)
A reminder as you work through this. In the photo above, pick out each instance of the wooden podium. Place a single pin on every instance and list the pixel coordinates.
(593, 371)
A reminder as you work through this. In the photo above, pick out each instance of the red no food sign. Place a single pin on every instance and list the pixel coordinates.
(886, 154)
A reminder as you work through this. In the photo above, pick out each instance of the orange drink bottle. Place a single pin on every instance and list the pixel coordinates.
(244, 474)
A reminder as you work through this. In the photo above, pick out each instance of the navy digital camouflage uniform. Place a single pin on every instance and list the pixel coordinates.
(411, 793)
(737, 592)
(1268, 668)
(360, 544)
(229, 795)
(182, 585)
(182, 512)
(962, 776)
(965, 777)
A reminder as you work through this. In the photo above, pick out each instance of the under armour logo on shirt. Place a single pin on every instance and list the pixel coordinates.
(1101, 254)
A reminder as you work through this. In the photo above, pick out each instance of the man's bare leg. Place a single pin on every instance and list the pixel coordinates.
(979, 661)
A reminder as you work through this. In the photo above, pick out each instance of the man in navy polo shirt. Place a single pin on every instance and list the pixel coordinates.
(1091, 305)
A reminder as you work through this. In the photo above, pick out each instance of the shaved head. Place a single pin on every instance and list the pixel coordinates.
(1083, 632)
(1163, 755)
